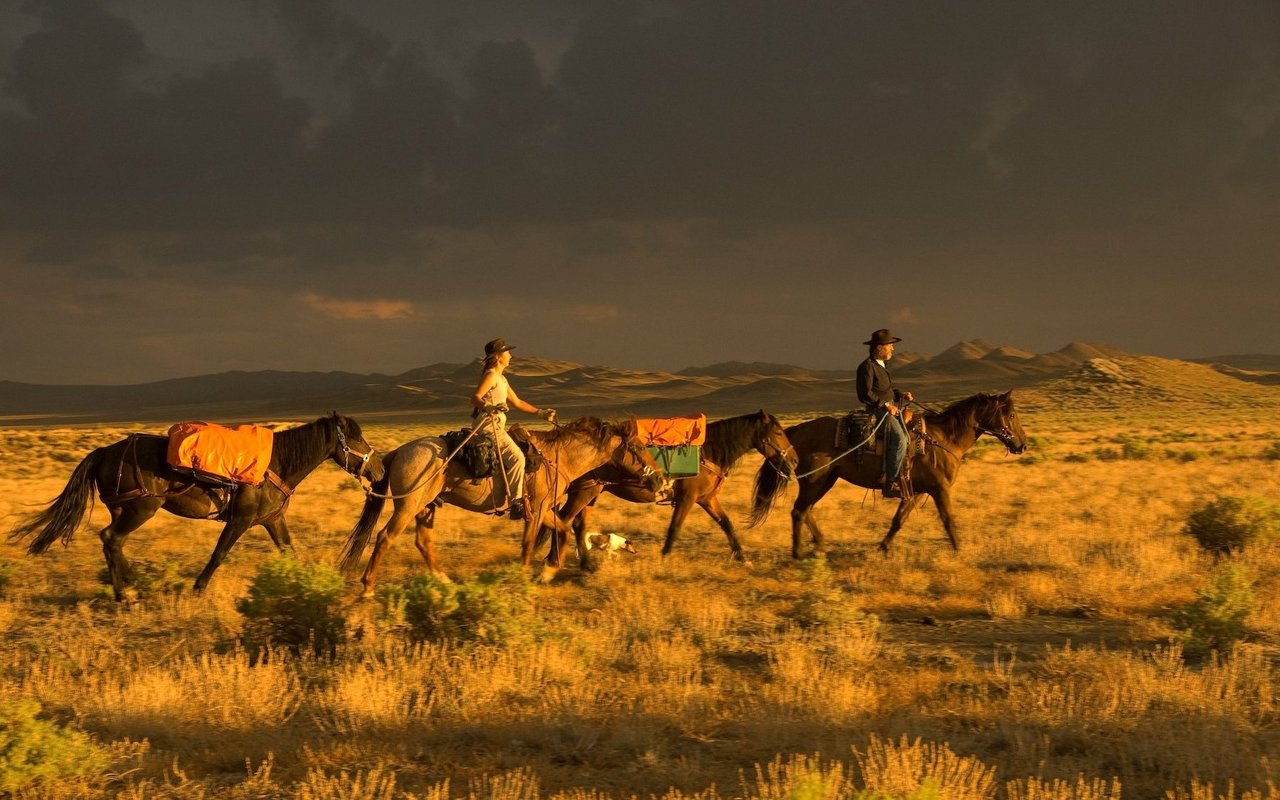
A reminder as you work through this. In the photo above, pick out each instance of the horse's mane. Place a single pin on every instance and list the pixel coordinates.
(728, 439)
(961, 414)
(593, 428)
(301, 444)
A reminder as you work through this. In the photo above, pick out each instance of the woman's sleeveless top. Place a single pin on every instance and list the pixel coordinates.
(497, 395)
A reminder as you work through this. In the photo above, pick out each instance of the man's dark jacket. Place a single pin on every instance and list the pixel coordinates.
(875, 387)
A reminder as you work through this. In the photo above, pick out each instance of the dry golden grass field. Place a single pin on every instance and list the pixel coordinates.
(1043, 660)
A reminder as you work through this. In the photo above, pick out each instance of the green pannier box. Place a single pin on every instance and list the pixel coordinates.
(677, 461)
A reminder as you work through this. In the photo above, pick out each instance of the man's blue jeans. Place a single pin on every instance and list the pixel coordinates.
(895, 443)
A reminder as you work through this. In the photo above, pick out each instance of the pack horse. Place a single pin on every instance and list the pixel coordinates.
(134, 478)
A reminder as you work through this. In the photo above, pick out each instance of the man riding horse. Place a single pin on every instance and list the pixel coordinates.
(886, 405)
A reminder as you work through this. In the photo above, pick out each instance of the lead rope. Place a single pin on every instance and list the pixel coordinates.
(426, 476)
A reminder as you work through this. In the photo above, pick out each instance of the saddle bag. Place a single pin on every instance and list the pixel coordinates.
(479, 457)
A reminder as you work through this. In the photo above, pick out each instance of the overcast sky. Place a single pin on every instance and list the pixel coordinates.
(190, 187)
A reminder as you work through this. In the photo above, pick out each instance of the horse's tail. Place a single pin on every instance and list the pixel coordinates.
(768, 486)
(64, 515)
(359, 537)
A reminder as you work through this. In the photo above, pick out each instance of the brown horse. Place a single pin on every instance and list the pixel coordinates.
(134, 480)
(419, 478)
(726, 442)
(950, 434)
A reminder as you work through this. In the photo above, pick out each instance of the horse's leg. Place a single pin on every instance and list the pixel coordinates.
(684, 503)
(712, 506)
(398, 521)
(811, 491)
(579, 526)
(124, 520)
(905, 507)
(426, 522)
(278, 530)
(231, 533)
(942, 499)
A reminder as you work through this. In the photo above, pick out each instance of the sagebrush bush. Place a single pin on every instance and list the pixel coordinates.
(149, 579)
(34, 750)
(495, 607)
(292, 604)
(1216, 619)
(822, 602)
(1229, 523)
(1272, 452)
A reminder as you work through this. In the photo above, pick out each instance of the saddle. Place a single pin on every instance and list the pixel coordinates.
(857, 428)
(533, 458)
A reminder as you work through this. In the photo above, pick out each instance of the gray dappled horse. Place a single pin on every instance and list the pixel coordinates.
(419, 477)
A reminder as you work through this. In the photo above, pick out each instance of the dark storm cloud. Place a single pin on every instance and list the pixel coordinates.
(748, 110)
(408, 166)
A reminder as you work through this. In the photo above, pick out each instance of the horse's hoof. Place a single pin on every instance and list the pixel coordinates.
(548, 574)
(128, 595)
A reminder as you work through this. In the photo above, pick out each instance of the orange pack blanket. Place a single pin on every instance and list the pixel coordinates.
(241, 453)
(673, 431)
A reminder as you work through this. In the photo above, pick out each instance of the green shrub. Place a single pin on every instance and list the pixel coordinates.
(1136, 451)
(495, 607)
(1272, 452)
(1215, 620)
(151, 580)
(34, 750)
(1229, 523)
(291, 603)
(822, 602)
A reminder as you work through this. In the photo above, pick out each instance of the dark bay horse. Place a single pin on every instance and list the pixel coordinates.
(950, 434)
(419, 478)
(134, 480)
(726, 442)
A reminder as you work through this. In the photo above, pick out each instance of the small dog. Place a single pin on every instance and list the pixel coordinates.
(610, 543)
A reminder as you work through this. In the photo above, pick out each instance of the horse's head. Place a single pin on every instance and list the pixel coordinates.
(633, 457)
(352, 453)
(1000, 419)
(773, 444)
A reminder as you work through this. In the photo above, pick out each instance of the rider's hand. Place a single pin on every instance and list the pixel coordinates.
(891, 408)
(909, 397)
(549, 414)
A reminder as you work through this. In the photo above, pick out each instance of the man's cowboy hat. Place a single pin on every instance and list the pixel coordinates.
(496, 346)
(881, 336)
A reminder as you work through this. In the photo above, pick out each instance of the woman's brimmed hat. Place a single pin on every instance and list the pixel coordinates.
(882, 336)
(497, 346)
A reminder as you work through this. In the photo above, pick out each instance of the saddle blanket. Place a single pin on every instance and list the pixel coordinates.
(673, 431)
(240, 454)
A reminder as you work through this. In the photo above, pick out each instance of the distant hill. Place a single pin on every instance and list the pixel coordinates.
(1126, 381)
(1255, 368)
(1086, 375)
